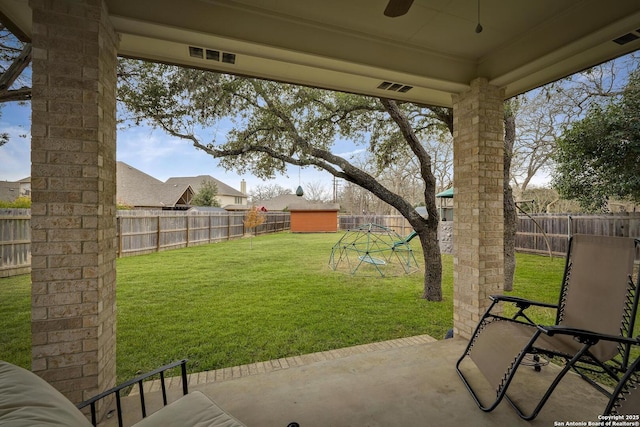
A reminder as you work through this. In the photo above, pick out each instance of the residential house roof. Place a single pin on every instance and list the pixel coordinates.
(136, 188)
(280, 203)
(207, 209)
(237, 207)
(196, 182)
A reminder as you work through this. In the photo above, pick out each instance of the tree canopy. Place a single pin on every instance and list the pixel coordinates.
(267, 191)
(598, 157)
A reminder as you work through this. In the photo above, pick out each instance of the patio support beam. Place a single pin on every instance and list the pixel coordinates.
(478, 224)
(73, 178)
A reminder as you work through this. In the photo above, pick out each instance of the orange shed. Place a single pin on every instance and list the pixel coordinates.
(314, 217)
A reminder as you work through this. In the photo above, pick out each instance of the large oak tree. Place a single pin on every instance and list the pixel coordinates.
(276, 124)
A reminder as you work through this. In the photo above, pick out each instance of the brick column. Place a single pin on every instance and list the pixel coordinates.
(73, 146)
(478, 216)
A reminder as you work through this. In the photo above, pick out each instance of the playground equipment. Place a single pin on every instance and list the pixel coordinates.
(374, 250)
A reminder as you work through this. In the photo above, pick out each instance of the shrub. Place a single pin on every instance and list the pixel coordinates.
(22, 202)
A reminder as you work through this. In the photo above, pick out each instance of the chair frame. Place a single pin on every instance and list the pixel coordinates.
(582, 361)
(138, 380)
(631, 379)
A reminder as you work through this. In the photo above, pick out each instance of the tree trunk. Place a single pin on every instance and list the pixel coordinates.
(432, 264)
(428, 234)
(510, 214)
(427, 229)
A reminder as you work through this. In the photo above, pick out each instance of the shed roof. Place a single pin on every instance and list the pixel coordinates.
(281, 202)
(309, 206)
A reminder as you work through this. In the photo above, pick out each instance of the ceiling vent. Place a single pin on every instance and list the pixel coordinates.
(229, 58)
(196, 52)
(627, 38)
(212, 55)
(395, 87)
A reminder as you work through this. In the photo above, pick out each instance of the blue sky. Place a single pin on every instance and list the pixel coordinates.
(149, 150)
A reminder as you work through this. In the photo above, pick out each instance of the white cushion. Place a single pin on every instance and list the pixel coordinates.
(26, 400)
(191, 410)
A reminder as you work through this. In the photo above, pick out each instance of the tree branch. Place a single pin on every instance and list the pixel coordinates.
(23, 94)
(17, 67)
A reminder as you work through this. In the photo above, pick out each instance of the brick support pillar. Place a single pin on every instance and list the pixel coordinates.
(73, 176)
(478, 214)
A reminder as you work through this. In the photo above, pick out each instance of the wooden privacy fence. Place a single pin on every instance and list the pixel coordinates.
(548, 234)
(138, 232)
(15, 242)
(542, 233)
(141, 232)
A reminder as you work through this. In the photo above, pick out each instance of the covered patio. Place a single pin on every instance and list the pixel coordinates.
(431, 55)
(404, 382)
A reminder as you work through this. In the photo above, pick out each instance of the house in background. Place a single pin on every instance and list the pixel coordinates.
(142, 191)
(228, 197)
(11, 190)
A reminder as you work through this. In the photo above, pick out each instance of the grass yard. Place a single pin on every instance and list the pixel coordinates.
(224, 305)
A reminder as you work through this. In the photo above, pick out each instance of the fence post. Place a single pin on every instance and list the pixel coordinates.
(187, 239)
(158, 243)
(119, 231)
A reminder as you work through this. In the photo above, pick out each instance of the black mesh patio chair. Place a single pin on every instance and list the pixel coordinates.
(592, 333)
(625, 398)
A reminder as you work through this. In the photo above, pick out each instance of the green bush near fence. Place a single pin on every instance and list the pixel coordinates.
(22, 202)
(224, 305)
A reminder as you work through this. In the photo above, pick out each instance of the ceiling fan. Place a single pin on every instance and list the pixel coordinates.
(397, 8)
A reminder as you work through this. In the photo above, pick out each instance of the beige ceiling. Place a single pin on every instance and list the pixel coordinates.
(350, 45)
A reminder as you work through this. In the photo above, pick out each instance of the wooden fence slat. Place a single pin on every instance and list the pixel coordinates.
(15, 242)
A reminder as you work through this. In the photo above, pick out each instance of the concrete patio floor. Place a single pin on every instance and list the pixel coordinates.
(408, 382)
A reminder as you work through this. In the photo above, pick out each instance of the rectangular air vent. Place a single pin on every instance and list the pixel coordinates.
(212, 55)
(196, 52)
(627, 38)
(395, 87)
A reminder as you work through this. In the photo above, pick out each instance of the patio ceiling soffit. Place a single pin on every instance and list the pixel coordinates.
(424, 56)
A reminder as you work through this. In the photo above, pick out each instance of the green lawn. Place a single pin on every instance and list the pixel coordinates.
(225, 305)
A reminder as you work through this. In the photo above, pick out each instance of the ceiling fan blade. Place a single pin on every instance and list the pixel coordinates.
(397, 7)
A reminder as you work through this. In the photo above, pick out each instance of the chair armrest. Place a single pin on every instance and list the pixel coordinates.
(521, 302)
(138, 380)
(583, 333)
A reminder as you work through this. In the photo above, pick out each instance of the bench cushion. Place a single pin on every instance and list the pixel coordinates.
(193, 409)
(26, 400)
